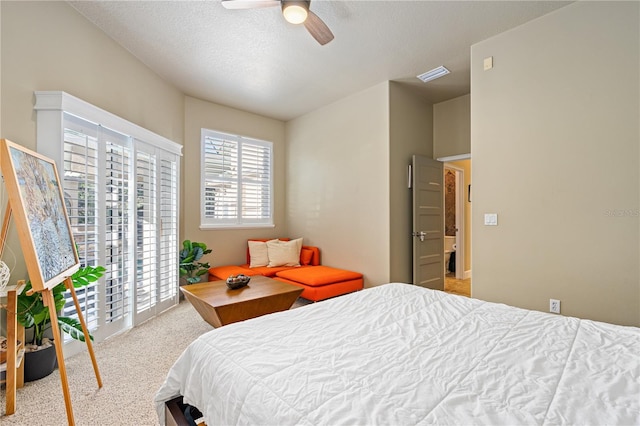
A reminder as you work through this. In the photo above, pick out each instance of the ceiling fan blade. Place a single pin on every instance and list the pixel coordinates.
(249, 4)
(318, 29)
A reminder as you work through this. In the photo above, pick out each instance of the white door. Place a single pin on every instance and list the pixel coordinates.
(156, 242)
(428, 222)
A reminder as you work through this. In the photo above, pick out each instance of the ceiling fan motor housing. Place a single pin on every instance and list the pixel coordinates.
(295, 11)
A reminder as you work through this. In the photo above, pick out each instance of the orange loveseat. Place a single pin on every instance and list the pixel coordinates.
(318, 282)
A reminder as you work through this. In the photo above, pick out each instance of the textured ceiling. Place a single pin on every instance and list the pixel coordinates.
(255, 61)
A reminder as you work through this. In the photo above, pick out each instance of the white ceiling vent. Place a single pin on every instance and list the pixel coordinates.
(433, 74)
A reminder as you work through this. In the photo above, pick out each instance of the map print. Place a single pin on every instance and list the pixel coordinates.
(48, 224)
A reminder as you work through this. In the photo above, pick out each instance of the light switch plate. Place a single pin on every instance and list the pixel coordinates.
(488, 63)
(491, 219)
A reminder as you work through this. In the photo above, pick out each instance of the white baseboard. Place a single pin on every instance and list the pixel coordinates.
(467, 274)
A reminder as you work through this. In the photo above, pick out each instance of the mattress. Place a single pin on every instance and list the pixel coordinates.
(399, 354)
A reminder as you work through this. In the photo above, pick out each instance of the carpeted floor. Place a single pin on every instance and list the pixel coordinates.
(132, 365)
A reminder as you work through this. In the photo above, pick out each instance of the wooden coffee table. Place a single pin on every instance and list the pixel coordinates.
(218, 305)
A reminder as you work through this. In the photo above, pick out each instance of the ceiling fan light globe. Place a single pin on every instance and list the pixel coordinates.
(294, 12)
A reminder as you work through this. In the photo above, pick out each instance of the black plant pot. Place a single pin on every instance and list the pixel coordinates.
(40, 363)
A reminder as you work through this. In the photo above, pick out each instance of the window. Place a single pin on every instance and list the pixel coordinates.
(120, 187)
(237, 181)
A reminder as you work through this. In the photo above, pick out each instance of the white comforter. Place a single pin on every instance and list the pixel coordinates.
(399, 354)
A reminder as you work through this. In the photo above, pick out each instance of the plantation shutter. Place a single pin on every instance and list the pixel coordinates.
(221, 179)
(80, 184)
(256, 181)
(168, 226)
(146, 234)
(237, 180)
(118, 255)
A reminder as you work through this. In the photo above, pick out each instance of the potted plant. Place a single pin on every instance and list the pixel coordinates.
(40, 355)
(191, 269)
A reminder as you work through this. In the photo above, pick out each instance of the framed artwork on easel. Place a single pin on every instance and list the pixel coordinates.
(37, 201)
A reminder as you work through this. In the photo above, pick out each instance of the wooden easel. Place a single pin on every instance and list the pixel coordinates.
(15, 353)
(48, 300)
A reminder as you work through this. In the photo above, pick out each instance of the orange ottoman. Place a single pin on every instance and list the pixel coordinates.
(223, 272)
(322, 282)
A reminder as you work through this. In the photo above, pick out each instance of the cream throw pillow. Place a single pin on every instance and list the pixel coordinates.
(284, 253)
(258, 253)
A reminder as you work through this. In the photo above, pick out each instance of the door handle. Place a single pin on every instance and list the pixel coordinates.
(420, 235)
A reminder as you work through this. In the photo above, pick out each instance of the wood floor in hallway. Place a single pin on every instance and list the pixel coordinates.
(455, 286)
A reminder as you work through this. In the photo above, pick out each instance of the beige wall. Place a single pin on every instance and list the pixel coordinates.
(452, 136)
(338, 182)
(49, 46)
(452, 127)
(465, 165)
(410, 132)
(1, 71)
(555, 148)
(229, 246)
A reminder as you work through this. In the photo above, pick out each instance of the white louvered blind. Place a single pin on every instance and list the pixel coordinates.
(256, 181)
(80, 183)
(118, 255)
(237, 181)
(146, 232)
(168, 226)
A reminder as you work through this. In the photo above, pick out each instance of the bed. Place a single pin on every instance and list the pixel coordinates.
(399, 354)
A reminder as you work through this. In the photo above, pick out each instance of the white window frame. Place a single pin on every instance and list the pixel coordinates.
(238, 222)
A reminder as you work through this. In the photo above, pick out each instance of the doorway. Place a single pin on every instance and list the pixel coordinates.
(453, 222)
(457, 204)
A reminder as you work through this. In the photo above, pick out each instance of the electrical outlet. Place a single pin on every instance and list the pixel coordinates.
(554, 306)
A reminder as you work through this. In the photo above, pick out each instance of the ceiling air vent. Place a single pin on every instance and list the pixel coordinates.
(433, 74)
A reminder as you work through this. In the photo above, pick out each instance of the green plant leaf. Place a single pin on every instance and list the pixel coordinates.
(60, 302)
(73, 328)
(25, 316)
(41, 316)
(203, 246)
(33, 313)
(197, 253)
(87, 275)
(183, 254)
(80, 282)
(59, 289)
(189, 266)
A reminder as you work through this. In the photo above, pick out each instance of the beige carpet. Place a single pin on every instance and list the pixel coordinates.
(132, 365)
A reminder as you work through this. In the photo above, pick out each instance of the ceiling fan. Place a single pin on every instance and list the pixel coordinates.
(295, 12)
